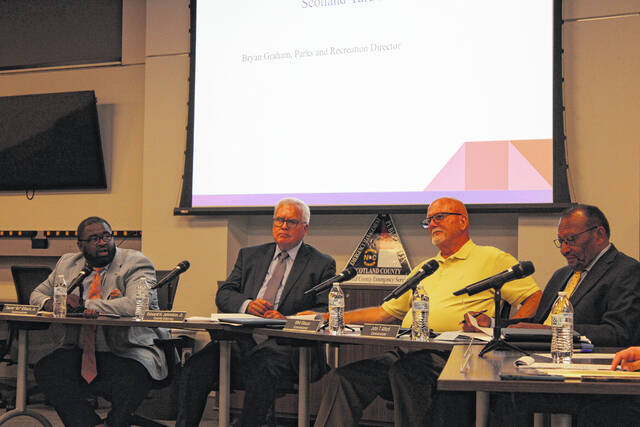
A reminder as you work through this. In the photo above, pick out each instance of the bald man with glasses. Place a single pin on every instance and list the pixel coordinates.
(410, 378)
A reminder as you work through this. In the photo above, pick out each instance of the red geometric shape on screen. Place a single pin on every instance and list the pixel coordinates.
(539, 153)
(522, 174)
(451, 176)
(487, 165)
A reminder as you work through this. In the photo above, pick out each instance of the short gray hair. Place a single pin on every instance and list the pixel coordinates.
(304, 209)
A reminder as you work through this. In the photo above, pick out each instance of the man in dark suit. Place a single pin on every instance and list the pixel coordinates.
(603, 285)
(606, 295)
(269, 281)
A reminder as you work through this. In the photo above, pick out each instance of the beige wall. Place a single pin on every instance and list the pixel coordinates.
(143, 113)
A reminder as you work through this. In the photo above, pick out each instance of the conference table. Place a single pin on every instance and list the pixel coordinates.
(225, 334)
(482, 376)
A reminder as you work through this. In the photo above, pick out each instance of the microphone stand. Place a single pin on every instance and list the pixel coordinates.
(498, 343)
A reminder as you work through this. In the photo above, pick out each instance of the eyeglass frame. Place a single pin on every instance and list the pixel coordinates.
(105, 237)
(425, 222)
(572, 239)
(293, 223)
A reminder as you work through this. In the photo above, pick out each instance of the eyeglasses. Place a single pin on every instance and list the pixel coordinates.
(571, 240)
(106, 237)
(437, 218)
(279, 222)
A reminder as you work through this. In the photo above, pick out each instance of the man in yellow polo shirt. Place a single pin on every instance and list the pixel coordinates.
(410, 378)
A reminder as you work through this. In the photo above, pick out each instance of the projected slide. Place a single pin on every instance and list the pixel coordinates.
(373, 102)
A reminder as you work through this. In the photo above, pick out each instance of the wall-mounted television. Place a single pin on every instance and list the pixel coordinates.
(50, 142)
(375, 105)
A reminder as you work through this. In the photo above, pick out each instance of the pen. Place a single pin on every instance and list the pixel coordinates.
(475, 315)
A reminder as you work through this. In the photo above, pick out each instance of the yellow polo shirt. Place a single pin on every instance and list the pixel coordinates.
(470, 264)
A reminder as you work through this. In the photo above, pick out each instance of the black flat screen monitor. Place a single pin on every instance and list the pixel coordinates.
(50, 142)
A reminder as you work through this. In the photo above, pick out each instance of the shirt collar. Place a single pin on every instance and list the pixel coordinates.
(592, 263)
(292, 252)
(462, 253)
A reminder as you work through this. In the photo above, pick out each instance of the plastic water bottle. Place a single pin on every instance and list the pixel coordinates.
(142, 298)
(59, 297)
(336, 310)
(420, 312)
(562, 329)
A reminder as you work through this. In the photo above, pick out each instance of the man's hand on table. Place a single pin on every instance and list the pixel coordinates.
(628, 359)
(482, 319)
(258, 307)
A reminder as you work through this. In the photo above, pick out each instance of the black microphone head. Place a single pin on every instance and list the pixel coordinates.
(184, 265)
(524, 269)
(349, 272)
(430, 266)
(87, 269)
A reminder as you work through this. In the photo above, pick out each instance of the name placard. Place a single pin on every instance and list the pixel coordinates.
(302, 325)
(165, 316)
(20, 309)
(380, 331)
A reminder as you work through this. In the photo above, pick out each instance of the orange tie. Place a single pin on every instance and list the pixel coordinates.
(89, 369)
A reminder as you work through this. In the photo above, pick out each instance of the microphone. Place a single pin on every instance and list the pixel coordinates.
(426, 270)
(518, 271)
(77, 281)
(347, 274)
(179, 269)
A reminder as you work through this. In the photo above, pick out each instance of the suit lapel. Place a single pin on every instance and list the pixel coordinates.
(302, 258)
(545, 306)
(594, 276)
(110, 278)
(262, 266)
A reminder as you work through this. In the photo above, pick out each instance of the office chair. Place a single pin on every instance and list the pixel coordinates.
(161, 402)
(25, 280)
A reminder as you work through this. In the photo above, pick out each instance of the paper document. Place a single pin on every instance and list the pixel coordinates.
(580, 361)
(460, 336)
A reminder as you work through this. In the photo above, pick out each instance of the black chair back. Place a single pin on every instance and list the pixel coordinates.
(26, 279)
(167, 293)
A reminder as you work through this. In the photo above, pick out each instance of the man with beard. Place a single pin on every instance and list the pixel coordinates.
(118, 363)
(410, 378)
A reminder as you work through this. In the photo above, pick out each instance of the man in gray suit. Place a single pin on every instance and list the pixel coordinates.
(269, 281)
(118, 363)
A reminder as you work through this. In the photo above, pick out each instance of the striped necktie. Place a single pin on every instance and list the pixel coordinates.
(89, 369)
(276, 278)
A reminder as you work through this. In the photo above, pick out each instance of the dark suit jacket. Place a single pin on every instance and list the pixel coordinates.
(310, 268)
(606, 303)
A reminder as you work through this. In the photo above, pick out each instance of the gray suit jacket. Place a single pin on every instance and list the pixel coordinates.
(132, 342)
(606, 303)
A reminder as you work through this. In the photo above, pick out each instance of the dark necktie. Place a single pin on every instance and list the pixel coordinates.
(89, 369)
(276, 278)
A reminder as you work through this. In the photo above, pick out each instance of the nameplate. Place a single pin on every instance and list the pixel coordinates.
(380, 331)
(165, 316)
(20, 309)
(302, 325)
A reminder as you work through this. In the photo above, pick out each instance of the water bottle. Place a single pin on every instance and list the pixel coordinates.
(142, 298)
(420, 312)
(336, 310)
(59, 297)
(562, 329)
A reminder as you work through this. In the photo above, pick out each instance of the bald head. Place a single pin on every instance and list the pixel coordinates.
(448, 225)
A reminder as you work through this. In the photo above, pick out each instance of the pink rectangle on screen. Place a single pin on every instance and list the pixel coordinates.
(487, 166)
